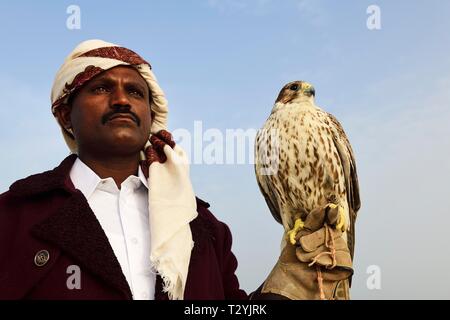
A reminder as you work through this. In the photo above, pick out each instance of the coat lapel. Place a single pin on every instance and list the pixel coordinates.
(73, 227)
(77, 232)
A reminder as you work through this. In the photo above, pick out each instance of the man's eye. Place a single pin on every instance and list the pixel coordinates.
(137, 93)
(100, 89)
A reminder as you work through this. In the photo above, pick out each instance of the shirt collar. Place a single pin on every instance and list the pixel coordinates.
(86, 180)
(142, 177)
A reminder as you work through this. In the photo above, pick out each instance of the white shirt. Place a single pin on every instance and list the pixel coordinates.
(123, 215)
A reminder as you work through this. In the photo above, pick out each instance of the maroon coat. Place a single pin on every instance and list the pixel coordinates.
(46, 212)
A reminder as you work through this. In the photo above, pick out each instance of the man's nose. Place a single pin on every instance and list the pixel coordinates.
(119, 98)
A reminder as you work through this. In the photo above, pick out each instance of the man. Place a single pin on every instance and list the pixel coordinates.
(117, 219)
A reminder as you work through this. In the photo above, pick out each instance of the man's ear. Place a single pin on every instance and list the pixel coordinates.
(152, 118)
(152, 114)
(62, 113)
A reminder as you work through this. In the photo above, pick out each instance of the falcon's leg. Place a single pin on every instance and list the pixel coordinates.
(298, 225)
(342, 222)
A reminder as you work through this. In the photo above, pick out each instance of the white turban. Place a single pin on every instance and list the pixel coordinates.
(89, 59)
(172, 203)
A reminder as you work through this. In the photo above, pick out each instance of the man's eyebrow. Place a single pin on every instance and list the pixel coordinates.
(136, 84)
(128, 82)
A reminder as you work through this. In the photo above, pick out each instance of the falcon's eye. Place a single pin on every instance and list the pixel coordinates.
(294, 87)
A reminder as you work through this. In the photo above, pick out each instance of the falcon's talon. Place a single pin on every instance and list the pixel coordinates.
(298, 225)
(332, 205)
(342, 225)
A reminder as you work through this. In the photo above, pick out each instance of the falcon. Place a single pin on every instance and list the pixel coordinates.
(304, 160)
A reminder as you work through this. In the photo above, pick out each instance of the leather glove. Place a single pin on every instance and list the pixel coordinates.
(318, 264)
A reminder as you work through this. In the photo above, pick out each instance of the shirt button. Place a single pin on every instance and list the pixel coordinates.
(134, 240)
(144, 295)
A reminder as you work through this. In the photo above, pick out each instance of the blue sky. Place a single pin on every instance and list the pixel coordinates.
(223, 62)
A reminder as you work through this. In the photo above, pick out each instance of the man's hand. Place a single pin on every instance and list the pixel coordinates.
(155, 152)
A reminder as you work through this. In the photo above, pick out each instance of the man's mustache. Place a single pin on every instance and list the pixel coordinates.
(106, 117)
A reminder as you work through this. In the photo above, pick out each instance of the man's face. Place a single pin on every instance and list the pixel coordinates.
(111, 113)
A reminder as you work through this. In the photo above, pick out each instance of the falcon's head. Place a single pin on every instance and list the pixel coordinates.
(294, 90)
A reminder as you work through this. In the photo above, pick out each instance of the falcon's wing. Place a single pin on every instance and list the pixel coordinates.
(264, 183)
(351, 178)
(269, 196)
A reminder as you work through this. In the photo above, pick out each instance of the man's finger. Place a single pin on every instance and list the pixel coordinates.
(157, 143)
(166, 136)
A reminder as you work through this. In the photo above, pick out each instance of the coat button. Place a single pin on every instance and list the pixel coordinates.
(41, 258)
